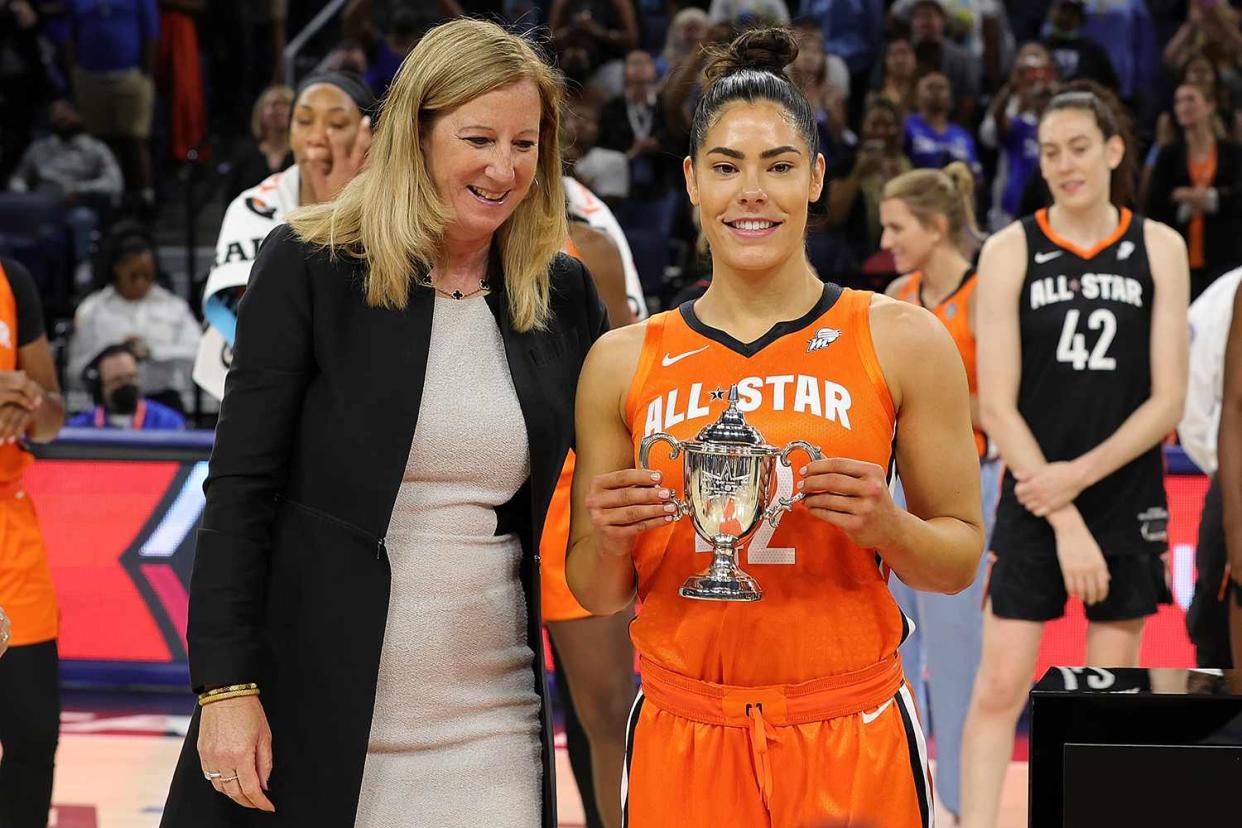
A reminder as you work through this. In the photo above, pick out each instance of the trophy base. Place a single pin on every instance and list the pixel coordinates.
(738, 587)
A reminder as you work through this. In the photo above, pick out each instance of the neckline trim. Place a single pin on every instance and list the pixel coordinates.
(827, 299)
(1123, 225)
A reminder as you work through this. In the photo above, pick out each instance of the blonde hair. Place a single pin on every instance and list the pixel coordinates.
(391, 216)
(949, 192)
(265, 97)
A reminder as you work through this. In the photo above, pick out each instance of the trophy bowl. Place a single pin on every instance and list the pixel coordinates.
(727, 491)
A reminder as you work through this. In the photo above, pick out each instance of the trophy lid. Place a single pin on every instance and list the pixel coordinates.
(731, 428)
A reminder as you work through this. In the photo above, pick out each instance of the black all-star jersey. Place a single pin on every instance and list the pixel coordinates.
(1085, 322)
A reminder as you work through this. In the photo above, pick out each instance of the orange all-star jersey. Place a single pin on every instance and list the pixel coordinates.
(954, 314)
(26, 591)
(826, 608)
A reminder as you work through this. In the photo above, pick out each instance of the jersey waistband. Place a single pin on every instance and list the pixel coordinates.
(759, 709)
(782, 704)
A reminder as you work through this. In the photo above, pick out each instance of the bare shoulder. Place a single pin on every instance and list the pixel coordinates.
(1005, 245)
(615, 354)
(1162, 240)
(897, 285)
(908, 340)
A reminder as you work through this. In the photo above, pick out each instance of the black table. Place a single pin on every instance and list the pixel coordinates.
(1136, 747)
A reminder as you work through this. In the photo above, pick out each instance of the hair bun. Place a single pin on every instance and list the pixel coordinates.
(759, 50)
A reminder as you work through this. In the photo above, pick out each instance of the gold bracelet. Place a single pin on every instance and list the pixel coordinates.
(229, 689)
(236, 694)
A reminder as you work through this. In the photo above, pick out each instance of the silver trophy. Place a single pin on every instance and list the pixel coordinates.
(728, 490)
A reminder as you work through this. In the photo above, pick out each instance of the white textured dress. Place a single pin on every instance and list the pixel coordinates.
(455, 737)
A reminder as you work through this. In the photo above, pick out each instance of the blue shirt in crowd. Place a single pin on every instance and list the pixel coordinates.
(150, 416)
(925, 147)
(110, 35)
(853, 29)
(1020, 159)
(1125, 30)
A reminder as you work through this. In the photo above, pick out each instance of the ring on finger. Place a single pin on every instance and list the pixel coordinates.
(228, 779)
(212, 775)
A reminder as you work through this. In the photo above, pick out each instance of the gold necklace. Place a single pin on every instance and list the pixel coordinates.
(458, 295)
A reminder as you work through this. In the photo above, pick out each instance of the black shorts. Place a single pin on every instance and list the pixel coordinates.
(1031, 587)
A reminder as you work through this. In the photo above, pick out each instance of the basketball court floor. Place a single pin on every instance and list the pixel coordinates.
(117, 753)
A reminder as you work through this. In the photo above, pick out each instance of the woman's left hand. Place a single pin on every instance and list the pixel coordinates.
(1050, 489)
(852, 496)
(327, 181)
(5, 631)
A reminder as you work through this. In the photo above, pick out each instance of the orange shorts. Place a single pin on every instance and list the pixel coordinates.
(841, 751)
(26, 591)
(558, 602)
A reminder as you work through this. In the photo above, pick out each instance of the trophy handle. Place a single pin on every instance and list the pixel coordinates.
(785, 504)
(644, 453)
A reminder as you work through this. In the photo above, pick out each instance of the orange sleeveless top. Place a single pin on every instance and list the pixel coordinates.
(826, 607)
(14, 459)
(954, 313)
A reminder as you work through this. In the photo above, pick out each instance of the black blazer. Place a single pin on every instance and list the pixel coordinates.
(1222, 230)
(291, 577)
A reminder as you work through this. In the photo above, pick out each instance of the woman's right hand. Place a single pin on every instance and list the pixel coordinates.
(329, 169)
(234, 740)
(1082, 563)
(624, 504)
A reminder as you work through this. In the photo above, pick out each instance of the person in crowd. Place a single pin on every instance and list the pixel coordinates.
(24, 83)
(1207, 618)
(329, 136)
(1229, 474)
(112, 378)
(1196, 187)
(130, 307)
(929, 227)
(77, 169)
(1210, 29)
(1011, 127)
(1124, 29)
(748, 13)
(1076, 54)
(440, 259)
(763, 701)
(982, 29)
(897, 76)
(591, 33)
(633, 123)
(853, 30)
(686, 33)
(405, 27)
(1078, 386)
(31, 411)
(113, 46)
(267, 151)
(825, 81)
(928, 20)
(856, 182)
(931, 139)
(605, 172)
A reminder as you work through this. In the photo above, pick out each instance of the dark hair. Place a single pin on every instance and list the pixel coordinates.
(752, 68)
(90, 374)
(348, 82)
(126, 238)
(1110, 116)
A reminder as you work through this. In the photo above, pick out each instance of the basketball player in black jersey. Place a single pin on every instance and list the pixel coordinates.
(1082, 373)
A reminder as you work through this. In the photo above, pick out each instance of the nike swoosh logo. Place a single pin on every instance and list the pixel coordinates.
(673, 360)
(1040, 258)
(868, 718)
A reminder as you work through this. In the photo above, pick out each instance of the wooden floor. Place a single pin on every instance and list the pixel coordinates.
(113, 772)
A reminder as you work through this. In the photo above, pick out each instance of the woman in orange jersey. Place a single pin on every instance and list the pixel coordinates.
(792, 710)
(929, 227)
(30, 410)
(1082, 374)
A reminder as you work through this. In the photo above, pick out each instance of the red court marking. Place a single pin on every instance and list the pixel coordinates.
(172, 595)
(73, 816)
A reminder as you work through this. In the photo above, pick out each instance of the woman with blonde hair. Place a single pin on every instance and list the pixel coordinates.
(267, 151)
(929, 227)
(364, 613)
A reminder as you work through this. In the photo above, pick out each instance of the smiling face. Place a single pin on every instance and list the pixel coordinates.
(752, 179)
(1075, 159)
(325, 120)
(482, 157)
(908, 239)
